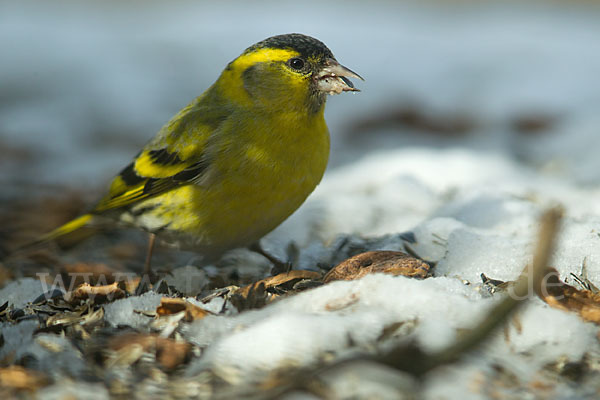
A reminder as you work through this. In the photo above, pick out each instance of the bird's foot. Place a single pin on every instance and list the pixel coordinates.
(279, 266)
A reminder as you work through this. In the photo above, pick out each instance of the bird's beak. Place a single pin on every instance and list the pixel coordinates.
(333, 78)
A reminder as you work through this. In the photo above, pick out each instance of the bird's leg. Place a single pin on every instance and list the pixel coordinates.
(147, 275)
(147, 264)
(278, 265)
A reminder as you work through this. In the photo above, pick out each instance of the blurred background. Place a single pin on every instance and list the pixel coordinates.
(84, 84)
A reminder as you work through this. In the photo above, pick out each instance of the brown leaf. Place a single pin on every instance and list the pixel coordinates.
(287, 279)
(99, 294)
(19, 378)
(169, 353)
(257, 294)
(98, 274)
(387, 262)
(251, 297)
(169, 305)
(79, 318)
(565, 297)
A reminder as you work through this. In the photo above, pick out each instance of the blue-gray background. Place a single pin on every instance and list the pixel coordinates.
(84, 84)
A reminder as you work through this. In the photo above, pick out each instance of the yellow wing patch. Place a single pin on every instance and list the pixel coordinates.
(121, 200)
(175, 157)
(136, 183)
(163, 165)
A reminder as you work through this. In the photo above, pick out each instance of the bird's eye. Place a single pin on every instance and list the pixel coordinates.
(296, 63)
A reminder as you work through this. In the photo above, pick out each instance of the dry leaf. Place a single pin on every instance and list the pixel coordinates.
(79, 317)
(565, 297)
(251, 297)
(19, 378)
(286, 279)
(387, 262)
(259, 293)
(98, 274)
(169, 353)
(99, 294)
(170, 306)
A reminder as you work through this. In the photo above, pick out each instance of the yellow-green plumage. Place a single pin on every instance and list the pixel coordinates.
(239, 159)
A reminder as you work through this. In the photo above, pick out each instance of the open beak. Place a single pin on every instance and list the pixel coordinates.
(333, 78)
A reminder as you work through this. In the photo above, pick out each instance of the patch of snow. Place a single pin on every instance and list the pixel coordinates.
(22, 291)
(188, 280)
(129, 311)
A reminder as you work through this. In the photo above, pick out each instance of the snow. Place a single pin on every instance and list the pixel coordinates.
(20, 292)
(296, 330)
(79, 390)
(17, 338)
(130, 311)
(187, 280)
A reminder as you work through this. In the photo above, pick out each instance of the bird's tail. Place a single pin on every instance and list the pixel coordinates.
(66, 229)
(65, 235)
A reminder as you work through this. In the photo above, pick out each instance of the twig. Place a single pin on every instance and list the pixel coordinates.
(414, 361)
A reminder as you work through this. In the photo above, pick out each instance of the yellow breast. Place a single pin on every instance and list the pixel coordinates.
(263, 170)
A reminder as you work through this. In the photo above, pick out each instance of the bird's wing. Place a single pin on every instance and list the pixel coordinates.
(133, 184)
(176, 157)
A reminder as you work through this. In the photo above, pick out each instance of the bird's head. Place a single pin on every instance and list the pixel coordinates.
(291, 71)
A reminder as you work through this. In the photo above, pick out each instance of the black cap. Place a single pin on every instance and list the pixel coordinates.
(307, 46)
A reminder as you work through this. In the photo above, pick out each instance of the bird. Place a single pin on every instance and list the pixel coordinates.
(235, 162)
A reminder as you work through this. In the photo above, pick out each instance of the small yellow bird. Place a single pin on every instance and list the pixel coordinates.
(238, 160)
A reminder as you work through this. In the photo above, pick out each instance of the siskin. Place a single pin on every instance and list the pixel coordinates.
(238, 160)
